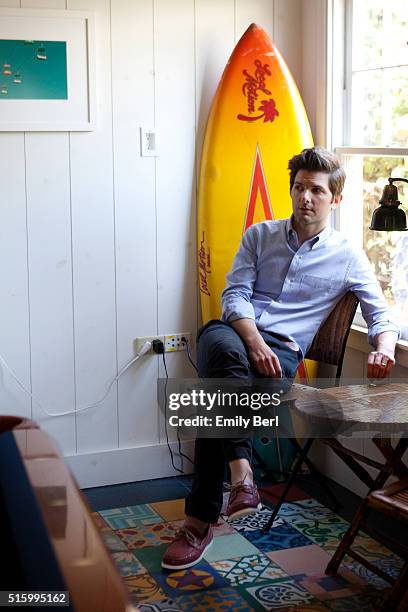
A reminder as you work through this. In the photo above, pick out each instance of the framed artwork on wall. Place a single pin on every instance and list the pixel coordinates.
(46, 70)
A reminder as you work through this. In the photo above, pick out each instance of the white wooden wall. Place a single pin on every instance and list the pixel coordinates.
(97, 244)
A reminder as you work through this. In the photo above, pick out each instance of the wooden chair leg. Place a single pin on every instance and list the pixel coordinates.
(347, 540)
(295, 469)
(397, 593)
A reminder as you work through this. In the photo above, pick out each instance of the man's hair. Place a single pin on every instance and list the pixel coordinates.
(318, 159)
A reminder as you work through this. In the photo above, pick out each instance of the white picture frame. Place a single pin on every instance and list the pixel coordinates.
(77, 112)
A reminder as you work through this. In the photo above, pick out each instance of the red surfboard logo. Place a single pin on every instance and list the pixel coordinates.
(204, 266)
(252, 86)
(258, 184)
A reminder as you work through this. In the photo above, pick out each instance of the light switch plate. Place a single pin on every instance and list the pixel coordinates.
(148, 142)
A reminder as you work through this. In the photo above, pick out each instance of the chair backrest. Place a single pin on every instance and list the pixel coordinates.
(330, 341)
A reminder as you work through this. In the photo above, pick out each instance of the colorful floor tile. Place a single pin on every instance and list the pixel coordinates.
(147, 535)
(305, 509)
(278, 538)
(255, 521)
(144, 588)
(221, 547)
(280, 594)
(172, 510)
(367, 547)
(201, 577)
(372, 579)
(345, 584)
(314, 606)
(127, 564)
(247, 570)
(323, 529)
(309, 560)
(159, 606)
(113, 543)
(223, 528)
(392, 564)
(151, 557)
(130, 516)
(366, 602)
(221, 600)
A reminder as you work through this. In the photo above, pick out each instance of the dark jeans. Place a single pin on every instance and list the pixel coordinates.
(221, 353)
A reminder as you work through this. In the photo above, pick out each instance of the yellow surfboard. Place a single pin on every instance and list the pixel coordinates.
(256, 124)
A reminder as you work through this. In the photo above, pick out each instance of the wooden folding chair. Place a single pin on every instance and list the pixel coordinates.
(393, 502)
(328, 347)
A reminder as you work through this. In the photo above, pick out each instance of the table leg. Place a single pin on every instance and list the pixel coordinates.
(347, 539)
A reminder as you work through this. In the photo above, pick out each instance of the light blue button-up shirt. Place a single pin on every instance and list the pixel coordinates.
(290, 289)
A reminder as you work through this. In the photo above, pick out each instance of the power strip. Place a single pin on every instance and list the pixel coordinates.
(172, 342)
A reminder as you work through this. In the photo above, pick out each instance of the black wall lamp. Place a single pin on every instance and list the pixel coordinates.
(388, 217)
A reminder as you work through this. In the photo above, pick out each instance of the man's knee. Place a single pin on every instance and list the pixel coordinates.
(221, 352)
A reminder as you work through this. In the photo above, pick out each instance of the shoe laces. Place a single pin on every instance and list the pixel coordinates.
(186, 534)
(240, 486)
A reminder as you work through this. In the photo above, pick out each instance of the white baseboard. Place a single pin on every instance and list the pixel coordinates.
(127, 464)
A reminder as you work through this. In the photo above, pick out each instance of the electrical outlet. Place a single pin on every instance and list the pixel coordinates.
(139, 342)
(175, 342)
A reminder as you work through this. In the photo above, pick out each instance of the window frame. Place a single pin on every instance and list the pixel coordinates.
(338, 88)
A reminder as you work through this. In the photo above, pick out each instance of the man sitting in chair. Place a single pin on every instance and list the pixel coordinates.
(285, 279)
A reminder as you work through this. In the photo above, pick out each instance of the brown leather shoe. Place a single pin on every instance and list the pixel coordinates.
(187, 549)
(243, 500)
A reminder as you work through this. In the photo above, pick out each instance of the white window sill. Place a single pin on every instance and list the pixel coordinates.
(358, 340)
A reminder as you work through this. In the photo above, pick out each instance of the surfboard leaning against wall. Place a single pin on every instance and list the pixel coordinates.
(257, 122)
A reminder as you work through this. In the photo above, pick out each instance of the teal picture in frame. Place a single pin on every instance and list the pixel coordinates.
(33, 70)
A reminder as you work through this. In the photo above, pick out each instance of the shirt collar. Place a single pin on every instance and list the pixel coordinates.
(293, 240)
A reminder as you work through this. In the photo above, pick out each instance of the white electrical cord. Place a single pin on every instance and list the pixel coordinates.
(145, 349)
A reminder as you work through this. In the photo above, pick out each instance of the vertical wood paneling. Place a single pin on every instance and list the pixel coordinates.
(91, 167)
(14, 322)
(175, 181)
(50, 275)
(133, 106)
(215, 35)
(256, 11)
(214, 42)
(50, 281)
(287, 33)
(175, 189)
(313, 53)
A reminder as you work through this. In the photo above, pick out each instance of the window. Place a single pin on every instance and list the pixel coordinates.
(370, 131)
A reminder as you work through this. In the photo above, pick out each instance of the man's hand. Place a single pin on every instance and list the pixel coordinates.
(380, 364)
(262, 358)
(382, 360)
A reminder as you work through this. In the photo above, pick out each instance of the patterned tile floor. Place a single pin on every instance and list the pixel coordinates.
(244, 569)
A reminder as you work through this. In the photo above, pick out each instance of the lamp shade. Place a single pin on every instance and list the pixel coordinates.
(388, 217)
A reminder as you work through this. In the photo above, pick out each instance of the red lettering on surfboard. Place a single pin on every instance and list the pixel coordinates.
(250, 89)
(268, 110)
(204, 266)
(258, 184)
(255, 83)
